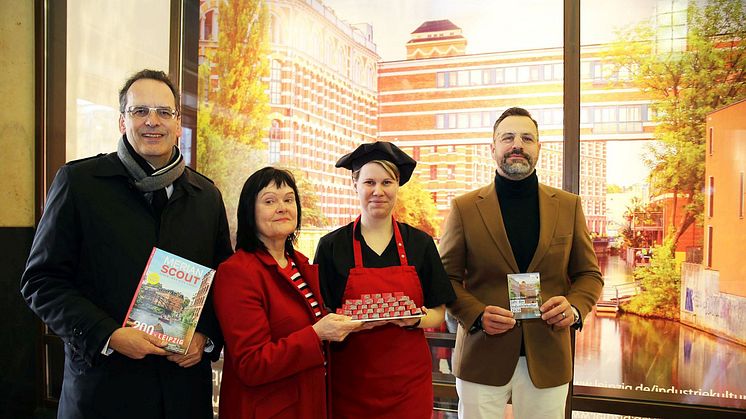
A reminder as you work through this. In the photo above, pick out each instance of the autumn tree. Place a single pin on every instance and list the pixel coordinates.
(686, 85)
(233, 106)
(661, 286)
(415, 206)
(639, 214)
(309, 201)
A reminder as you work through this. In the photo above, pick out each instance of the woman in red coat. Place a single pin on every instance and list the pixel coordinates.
(268, 302)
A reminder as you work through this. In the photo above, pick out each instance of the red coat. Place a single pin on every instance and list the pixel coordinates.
(274, 361)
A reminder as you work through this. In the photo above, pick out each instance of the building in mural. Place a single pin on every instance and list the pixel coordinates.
(713, 294)
(329, 91)
(440, 106)
(436, 38)
(322, 92)
(725, 208)
(689, 246)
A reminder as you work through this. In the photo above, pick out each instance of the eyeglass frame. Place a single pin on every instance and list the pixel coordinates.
(173, 112)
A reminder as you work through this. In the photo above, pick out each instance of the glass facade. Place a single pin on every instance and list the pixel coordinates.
(107, 41)
(329, 85)
(642, 341)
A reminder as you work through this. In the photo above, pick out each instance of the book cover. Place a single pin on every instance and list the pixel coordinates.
(524, 291)
(169, 299)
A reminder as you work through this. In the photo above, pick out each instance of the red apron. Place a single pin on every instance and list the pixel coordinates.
(385, 372)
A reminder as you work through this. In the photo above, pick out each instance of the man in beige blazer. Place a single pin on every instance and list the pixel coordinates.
(516, 225)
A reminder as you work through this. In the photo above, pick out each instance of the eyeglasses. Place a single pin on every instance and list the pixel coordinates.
(141, 112)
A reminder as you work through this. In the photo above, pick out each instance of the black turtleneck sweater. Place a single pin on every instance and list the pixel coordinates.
(519, 204)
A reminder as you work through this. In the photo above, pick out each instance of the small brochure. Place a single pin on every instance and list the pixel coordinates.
(169, 300)
(524, 291)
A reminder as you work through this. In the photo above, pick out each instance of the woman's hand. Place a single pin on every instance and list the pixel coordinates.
(375, 323)
(412, 322)
(335, 327)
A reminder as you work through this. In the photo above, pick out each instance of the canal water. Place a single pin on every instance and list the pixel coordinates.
(174, 328)
(625, 355)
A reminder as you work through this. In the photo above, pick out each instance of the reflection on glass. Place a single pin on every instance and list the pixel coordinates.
(648, 104)
(433, 81)
(657, 359)
(428, 84)
(107, 41)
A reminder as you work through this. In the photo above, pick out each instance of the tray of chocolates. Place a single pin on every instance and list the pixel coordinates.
(383, 306)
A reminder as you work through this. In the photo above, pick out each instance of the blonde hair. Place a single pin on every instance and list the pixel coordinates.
(388, 166)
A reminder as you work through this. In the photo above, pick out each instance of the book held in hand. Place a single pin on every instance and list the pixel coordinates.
(524, 291)
(169, 299)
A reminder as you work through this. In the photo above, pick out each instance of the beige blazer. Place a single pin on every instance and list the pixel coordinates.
(477, 256)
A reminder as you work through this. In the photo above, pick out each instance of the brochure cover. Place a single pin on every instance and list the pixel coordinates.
(524, 291)
(169, 299)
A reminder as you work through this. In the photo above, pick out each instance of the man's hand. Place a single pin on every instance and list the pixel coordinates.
(136, 344)
(557, 311)
(496, 320)
(194, 353)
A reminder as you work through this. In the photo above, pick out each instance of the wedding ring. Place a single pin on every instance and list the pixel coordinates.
(564, 316)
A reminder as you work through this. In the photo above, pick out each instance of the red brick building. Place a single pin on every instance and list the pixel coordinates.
(440, 107)
(322, 90)
(436, 38)
(689, 245)
(329, 92)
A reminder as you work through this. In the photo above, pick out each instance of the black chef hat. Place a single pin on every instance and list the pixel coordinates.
(379, 150)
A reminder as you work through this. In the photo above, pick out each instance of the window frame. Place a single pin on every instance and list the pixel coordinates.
(50, 75)
(50, 30)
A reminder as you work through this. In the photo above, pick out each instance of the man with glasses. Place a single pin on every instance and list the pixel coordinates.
(102, 217)
(517, 226)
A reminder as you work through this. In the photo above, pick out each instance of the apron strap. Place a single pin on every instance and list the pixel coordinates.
(356, 245)
(399, 243)
(357, 250)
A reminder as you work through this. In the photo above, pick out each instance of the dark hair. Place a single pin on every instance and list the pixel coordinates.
(147, 74)
(246, 234)
(515, 111)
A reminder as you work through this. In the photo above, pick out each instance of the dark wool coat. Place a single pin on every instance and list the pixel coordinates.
(90, 249)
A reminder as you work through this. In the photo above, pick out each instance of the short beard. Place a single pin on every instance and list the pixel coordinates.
(518, 170)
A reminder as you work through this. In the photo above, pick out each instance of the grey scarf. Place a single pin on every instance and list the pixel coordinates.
(161, 178)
